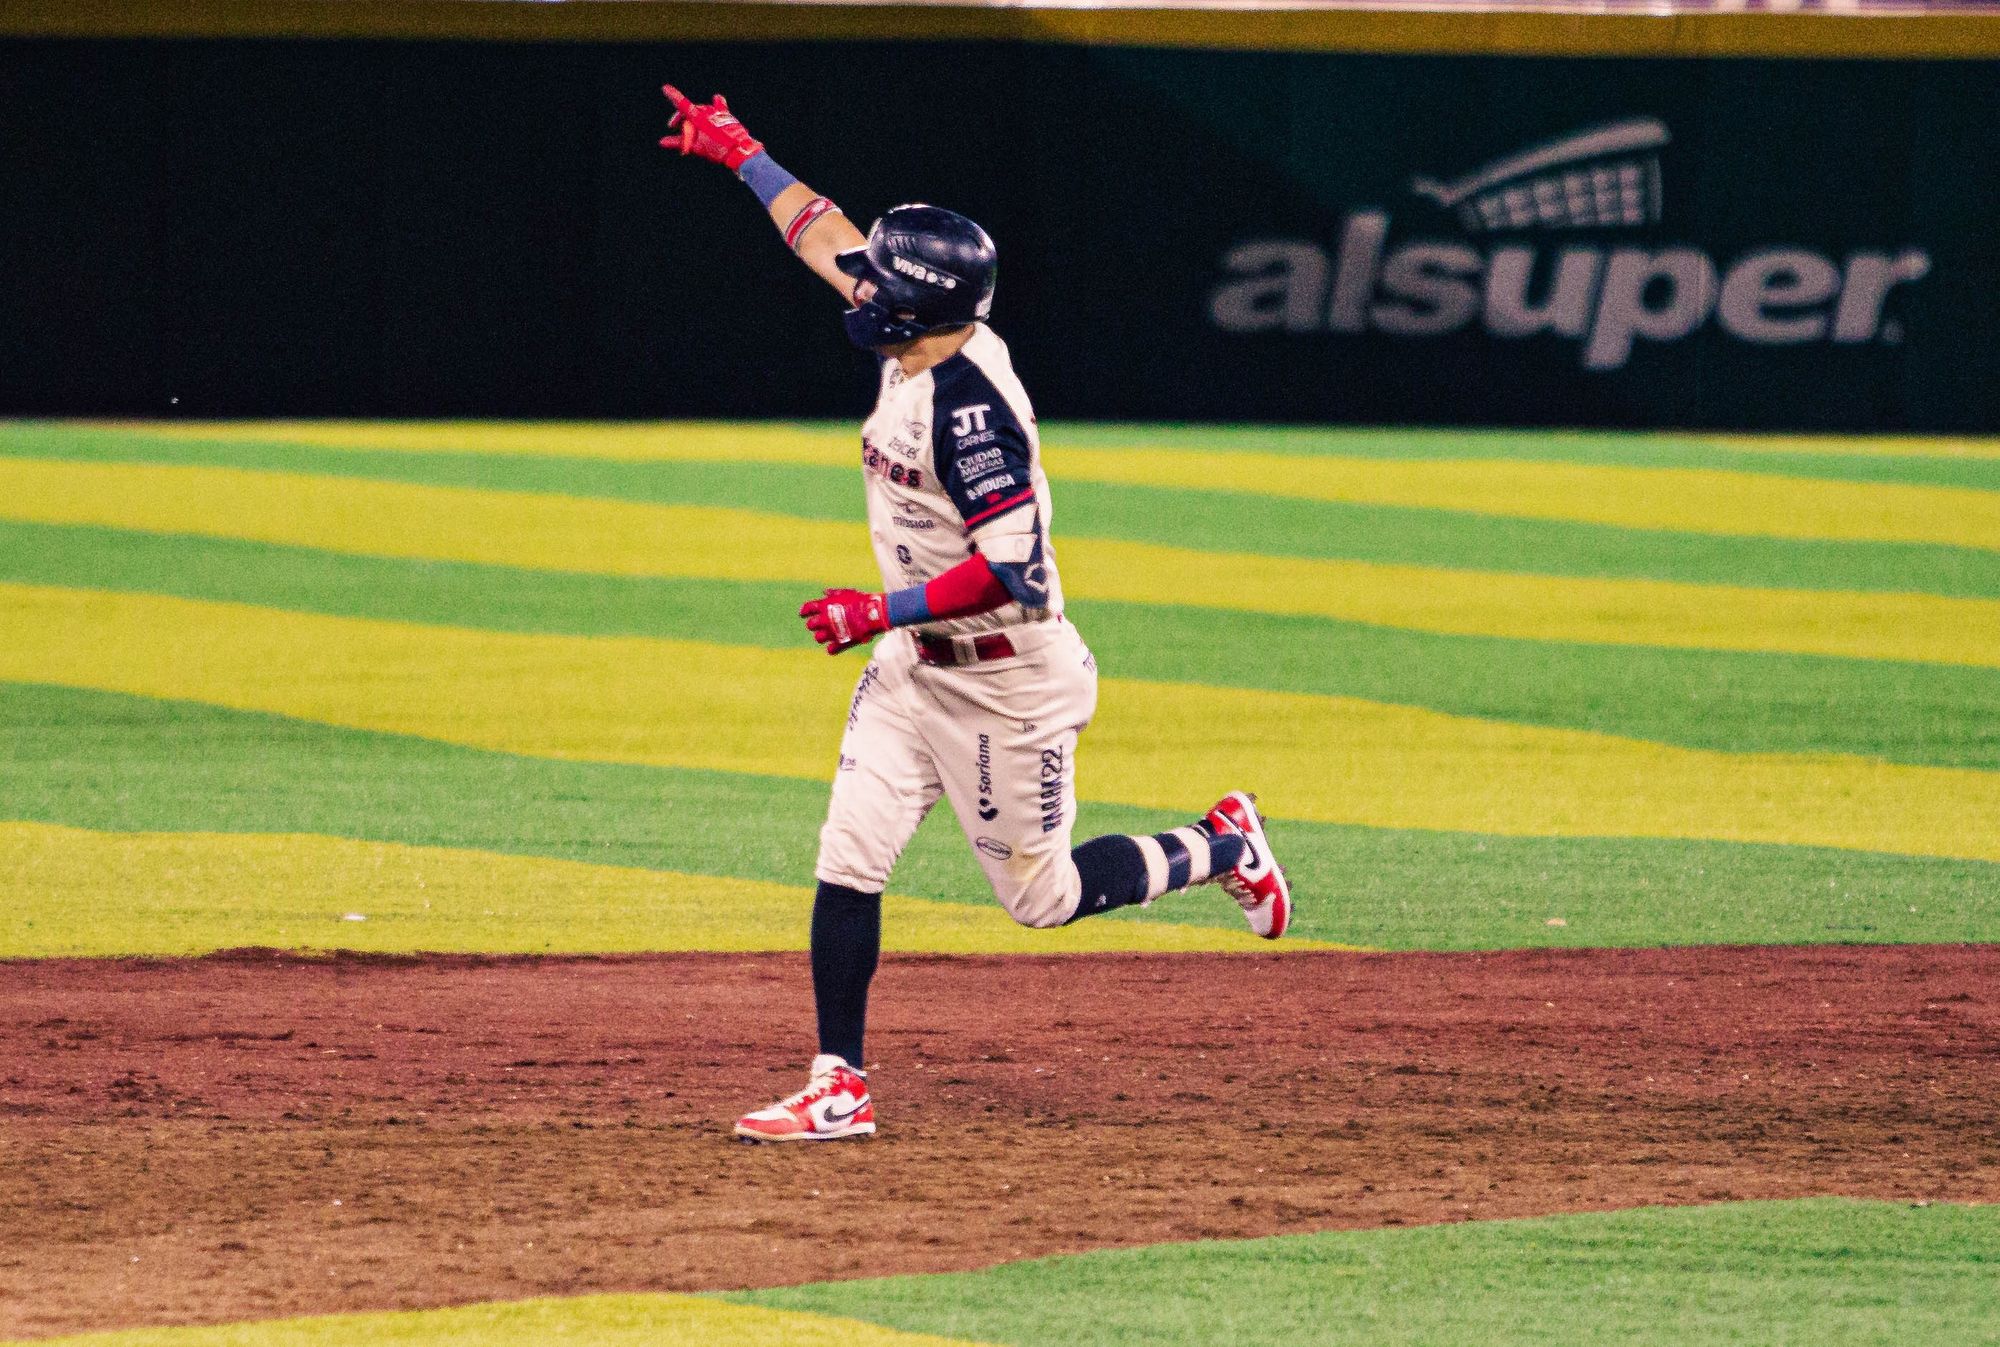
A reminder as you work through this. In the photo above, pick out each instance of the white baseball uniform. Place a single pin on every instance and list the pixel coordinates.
(952, 464)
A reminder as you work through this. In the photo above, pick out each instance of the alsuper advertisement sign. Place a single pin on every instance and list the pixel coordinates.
(1558, 239)
(1753, 243)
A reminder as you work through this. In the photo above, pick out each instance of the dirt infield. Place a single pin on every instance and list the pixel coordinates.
(256, 1135)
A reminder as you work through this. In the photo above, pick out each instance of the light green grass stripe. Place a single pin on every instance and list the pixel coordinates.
(1910, 713)
(600, 1321)
(1236, 522)
(130, 764)
(1825, 1270)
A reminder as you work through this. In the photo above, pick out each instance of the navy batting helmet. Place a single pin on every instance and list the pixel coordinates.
(931, 268)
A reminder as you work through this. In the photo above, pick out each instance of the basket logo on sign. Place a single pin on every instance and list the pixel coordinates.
(1607, 296)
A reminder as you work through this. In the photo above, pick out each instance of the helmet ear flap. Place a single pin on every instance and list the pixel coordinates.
(871, 324)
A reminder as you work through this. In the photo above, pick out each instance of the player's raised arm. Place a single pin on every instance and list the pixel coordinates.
(813, 227)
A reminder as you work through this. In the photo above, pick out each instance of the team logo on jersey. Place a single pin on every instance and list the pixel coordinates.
(969, 420)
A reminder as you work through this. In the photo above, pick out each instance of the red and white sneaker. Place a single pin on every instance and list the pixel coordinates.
(1256, 883)
(834, 1104)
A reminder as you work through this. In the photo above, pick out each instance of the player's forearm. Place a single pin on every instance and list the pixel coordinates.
(966, 589)
(811, 225)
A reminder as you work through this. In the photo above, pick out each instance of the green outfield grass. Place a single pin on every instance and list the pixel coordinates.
(1825, 1271)
(1900, 711)
(1191, 518)
(1821, 1271)
(131, 764)
(502, 688)
(117, 750)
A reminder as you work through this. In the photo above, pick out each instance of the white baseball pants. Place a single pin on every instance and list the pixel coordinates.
(998, 737)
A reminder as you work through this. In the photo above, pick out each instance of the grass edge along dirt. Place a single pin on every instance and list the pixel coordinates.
(1811, 1270)
(1816, 1269)
(77, 892)
(637, 1319)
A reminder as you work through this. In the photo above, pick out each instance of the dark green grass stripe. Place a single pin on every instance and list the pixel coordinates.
(1913, 713)
(1826, 1270)
(101, 760)
(1210, 521)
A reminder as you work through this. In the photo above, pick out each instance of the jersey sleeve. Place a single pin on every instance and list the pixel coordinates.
(985, 467)
(986, 470)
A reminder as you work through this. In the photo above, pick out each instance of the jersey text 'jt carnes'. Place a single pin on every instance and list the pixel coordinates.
(953, 465)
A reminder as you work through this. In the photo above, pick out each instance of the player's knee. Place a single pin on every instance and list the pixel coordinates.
(1049, 897)
(847, 859)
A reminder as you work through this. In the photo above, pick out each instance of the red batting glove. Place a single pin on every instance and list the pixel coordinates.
(845, 618)
(708, 131)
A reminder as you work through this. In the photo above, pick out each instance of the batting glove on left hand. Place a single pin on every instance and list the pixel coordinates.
(845, 618)
(708, 131)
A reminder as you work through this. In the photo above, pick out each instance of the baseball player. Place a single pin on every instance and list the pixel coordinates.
(979, 687)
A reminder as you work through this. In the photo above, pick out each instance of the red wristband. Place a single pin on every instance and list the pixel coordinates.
(801, 222)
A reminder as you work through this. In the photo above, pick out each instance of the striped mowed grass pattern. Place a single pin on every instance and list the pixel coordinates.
(564, 533)
(619, 598)
(119, 764)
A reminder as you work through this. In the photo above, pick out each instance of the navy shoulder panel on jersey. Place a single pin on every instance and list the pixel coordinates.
(981, 449)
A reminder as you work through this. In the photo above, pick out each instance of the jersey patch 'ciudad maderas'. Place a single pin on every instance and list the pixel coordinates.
(953, 465)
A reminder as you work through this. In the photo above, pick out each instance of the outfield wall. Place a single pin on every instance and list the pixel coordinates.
(1765, 221)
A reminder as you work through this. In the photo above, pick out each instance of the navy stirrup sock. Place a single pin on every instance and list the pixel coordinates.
(1120, 871)
(846, 943)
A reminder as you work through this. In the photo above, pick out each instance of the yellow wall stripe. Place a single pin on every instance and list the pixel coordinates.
(1403, 29)
(729, 708)
(1681, 500)
(563, 533)
(79, 892)
(637, 1320)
